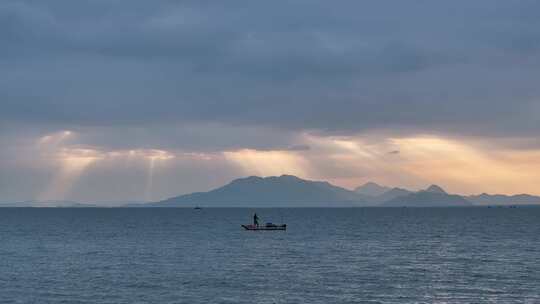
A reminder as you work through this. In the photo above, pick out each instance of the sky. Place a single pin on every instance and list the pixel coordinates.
(132, 100)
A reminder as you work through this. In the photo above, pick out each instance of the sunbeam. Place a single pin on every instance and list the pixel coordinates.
(73, 162)
(267, 162)
(154, 156)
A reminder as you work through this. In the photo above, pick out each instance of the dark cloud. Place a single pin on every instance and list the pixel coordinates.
(189, 138)
(350, 66)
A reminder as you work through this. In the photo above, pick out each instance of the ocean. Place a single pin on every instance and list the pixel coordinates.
(327, 255)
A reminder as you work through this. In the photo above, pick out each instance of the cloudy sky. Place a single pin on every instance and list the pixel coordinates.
(117, 100)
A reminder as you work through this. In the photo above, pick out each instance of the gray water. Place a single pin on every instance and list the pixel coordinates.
(363, 255)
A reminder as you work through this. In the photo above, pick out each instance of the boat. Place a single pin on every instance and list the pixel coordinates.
(268, 226)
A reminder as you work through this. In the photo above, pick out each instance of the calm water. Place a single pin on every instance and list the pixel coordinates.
(365, 255)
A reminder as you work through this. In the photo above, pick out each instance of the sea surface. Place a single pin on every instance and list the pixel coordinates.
(362, 255)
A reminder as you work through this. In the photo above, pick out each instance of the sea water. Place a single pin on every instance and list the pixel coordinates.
(362, 255)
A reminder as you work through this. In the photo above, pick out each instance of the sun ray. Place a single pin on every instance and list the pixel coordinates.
(73, 162)
(154, 157)
(266, 163)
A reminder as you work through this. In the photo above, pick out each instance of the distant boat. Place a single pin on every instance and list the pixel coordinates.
(268, 226)
(197, 208)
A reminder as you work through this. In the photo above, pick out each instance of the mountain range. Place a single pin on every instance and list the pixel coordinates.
(432, 196)
(292, 191)
(285, 190)
(371, 189)
(499, 199)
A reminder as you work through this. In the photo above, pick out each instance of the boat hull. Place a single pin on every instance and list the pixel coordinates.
(265, 228)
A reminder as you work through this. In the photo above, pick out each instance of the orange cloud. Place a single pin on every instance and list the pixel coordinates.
(466, 168)
(461, 165)
(265, 163)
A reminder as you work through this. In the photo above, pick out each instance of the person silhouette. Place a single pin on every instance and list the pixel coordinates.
(255, 219)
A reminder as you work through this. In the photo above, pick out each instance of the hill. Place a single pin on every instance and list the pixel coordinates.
(254, 191)
(434, 196)
(499, 199)
(371, 189)
(392, 194)
(435, 189)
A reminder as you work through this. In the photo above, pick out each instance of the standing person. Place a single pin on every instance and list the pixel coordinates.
(255, 220)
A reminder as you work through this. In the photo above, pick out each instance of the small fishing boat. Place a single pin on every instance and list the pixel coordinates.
(268, 226)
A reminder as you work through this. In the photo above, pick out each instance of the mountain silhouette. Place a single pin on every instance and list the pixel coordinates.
(371, 189)
(292, 191)
(433, 196)
(499, 199)
(254, 191)
(391, 194)
(435, 189)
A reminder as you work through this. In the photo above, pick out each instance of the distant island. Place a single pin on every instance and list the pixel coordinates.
(292, 191)
(274, 191)
(434, 196)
